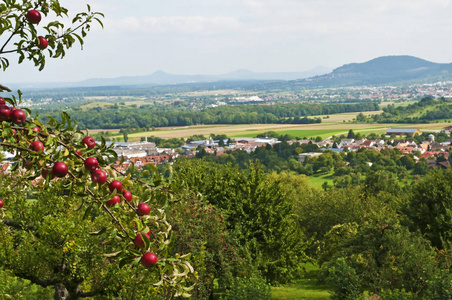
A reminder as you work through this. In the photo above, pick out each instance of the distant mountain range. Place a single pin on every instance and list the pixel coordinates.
(383, 70)
(163, 78)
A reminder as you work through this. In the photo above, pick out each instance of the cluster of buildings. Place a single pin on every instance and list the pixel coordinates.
(143, 153)
(437, 90)
(429, 149)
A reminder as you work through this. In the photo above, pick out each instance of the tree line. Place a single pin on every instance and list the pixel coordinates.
(116, 116)
(424, 111)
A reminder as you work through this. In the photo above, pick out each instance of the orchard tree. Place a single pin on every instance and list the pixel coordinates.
(258, 211)
(430, 207)
(27, 28)
(70, 220)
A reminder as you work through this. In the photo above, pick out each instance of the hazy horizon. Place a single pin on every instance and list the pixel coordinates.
(218, 37)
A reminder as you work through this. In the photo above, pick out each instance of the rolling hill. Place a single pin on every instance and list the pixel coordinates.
(383, 70)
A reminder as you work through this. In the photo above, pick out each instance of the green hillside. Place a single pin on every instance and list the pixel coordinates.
(382, 70)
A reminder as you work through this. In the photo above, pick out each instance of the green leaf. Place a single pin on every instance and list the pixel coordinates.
(139, 223)
(87, 212)
(146, 240)
(126, 261)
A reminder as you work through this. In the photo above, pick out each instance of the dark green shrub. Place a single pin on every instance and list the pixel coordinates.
(395, 295)
(440, 288)
(248, 289)
(344, 280)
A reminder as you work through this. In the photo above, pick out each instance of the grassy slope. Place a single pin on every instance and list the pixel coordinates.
(318, 179)
(306, 288)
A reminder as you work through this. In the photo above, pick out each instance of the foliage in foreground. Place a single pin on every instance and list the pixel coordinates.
(258, 215)
(63, 231)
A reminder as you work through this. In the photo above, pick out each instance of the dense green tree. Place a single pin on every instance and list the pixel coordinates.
(380, 182)
(201, 231)
(407, 161)
(257, 213)
(386, 256)
(318, 212)
(430, 207)
(360, 117)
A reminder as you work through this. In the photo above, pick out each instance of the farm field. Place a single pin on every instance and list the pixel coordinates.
(331, 125)
(251, 130)
(323, 130)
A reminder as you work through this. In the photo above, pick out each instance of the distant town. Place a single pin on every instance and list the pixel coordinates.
(142, 153)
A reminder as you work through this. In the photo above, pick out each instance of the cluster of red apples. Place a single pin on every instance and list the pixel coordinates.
(34, 17)
(12, 114)
(98, 176)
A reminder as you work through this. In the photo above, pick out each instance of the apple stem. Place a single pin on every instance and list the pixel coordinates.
(88, 19)
(115, 219)
(108, 211)
(130, 205)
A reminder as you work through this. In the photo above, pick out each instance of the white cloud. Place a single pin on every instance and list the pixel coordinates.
(212, 36)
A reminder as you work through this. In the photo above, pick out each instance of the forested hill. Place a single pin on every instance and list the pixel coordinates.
(424, 111)
(146, 116)
(383, 70)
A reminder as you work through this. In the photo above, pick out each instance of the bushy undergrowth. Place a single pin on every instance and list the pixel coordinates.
(248, 289)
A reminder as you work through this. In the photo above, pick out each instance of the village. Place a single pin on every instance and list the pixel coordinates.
(140, 154)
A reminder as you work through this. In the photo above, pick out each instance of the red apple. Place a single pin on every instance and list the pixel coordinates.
(127, 195)
(149, 259)
(18, 116)
(138, 241)
(115, 185)
(91, 163)
(1, 203)
(89, 141)
(143, 209)
(42, 42)
(47, 174)
(5, 111)
(60, 169)
(79, 152)
(37, 146)
(116, 199)
(99, 176)
(33, 16)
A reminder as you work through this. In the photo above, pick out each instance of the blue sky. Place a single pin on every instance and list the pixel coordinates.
(214, 37)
